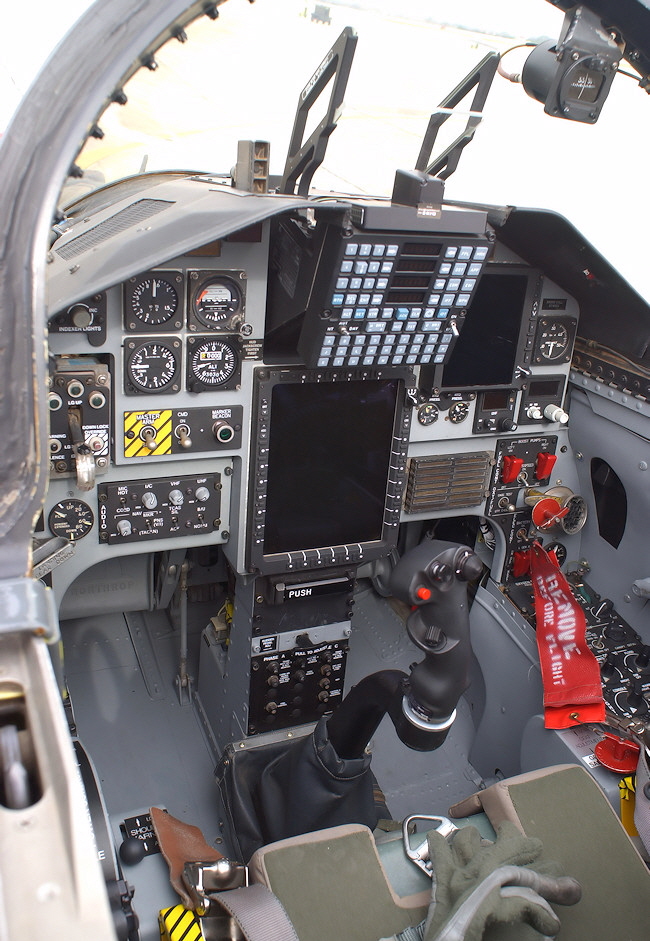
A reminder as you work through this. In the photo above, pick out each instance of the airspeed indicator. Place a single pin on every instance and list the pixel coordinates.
(152, 366)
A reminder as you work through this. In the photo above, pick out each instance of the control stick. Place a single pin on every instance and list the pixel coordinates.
(433, 579)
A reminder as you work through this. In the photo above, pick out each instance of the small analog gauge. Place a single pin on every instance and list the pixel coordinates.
(458, 412)
(576, 518)
(217, 301)
(553, 341)
(211, 363)
(73, 519)
(152, 366)
(428, 413)
(152, 300)
(558, 550)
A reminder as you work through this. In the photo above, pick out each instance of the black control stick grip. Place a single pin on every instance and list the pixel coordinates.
(433, 579)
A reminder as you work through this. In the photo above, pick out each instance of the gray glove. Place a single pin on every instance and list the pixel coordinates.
(477, 883)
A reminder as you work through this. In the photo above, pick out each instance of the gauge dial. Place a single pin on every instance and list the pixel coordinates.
(458, 412)
(554, 338)
(211, 363)
(152, 366)
(73, 519)
(217, 302)
(151, 300)
(428, 413)
(559, 551)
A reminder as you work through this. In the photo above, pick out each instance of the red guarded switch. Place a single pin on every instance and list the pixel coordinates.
(545, 464)
(521, 562)
(510, 468)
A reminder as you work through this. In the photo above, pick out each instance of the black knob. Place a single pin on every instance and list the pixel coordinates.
(608, 669)
(132, 851)
(636, 700)
(507, 424)
(642, 660)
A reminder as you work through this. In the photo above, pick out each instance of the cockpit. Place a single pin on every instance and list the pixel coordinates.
(324, 436)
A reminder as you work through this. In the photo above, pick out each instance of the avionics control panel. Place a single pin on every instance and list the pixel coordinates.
(373, 297)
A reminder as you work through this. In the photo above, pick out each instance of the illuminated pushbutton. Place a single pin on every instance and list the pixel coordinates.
(544, 465)
(511, 468)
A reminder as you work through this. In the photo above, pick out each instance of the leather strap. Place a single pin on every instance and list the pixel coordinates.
(180, 843)
(573, 692)
(258, 912)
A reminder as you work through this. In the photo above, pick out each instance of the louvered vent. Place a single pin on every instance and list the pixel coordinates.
(447, 482)
(138, 212)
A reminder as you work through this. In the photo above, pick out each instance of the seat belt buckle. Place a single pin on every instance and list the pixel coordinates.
(420, 854)
(203, 880)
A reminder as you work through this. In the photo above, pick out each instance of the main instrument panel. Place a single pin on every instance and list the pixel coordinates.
(160, 395)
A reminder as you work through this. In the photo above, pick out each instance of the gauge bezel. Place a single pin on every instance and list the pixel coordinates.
(65, 506)
(569, 324)
(198, 281)
(194, 382)
(133, 346)
(136, 324)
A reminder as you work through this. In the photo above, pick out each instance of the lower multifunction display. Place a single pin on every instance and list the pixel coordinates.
(133, 511)
(375, 298)
(328, 467)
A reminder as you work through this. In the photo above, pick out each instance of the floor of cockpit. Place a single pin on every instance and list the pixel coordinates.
(149, 749)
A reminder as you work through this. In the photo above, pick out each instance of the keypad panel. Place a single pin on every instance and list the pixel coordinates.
(394, 300)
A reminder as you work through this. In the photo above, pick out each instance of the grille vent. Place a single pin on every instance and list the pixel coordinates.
(138, 212)
(446, 482)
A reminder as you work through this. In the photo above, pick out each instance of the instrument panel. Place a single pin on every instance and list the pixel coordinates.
(153, 381)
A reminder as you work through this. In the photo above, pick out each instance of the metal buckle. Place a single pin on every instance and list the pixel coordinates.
(420, 854)
(205, 879)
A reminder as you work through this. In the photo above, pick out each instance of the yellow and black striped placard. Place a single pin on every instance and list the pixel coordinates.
(179, 924)
(143, 429)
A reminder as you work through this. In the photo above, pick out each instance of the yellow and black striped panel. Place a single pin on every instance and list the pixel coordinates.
(135, 441)
(179, 924)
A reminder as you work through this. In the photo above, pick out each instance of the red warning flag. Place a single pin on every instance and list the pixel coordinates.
(573, 692)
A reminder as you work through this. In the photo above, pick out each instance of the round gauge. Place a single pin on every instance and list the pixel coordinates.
(458, 412)
(428, 413)
(152, 366)
(576, 518)
(553, 341)
(73, 519)
(558, 550)
(151, 299)
(216, 302)
(211, 363)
